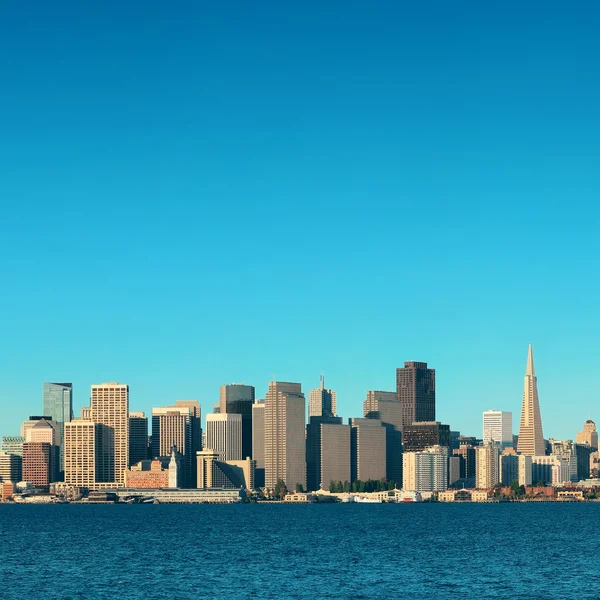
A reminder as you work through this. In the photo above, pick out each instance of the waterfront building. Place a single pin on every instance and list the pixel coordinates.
(285, 445)
(327, 452)
(164, 472)
(238, 399)
(322, 401)
(515, 467)
(426, 470)
(231, 474)
(39, 463)
(367, 449)
(487, 475)
(497, 428)
(186, 496)
(81, 447)
(418, 436)
(552, 470)
(110, 410)
(258, 441)
(531, 438)
(13, 444)
(589, 435)
(138, 437)
(58, 405)
(172, 426)
(224, 435)
(11, 467)
(415, 386)
(386, 407)
(567, 451)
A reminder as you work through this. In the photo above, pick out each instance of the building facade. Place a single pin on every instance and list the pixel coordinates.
(322, 401)
(327, 452)
(138, 437)
(39, 463)
(367, 449)
(531, 437)
(238, 399)
(488, 466)
(422, 435)
(589, 435)
(497, 428)
(11, 467)
(224, 435)
(426, 470)
(258, 441)
(58, 405)
(415, 386)
(81, 448)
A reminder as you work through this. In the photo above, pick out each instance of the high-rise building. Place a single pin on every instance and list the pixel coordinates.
(322, 401)
(531, 438)
(421, 435)
(566, 449)
(426, 470)
(552, 470)
(196, 431)
(172, 427)
(138, 437)
(488, 464)
(386, 407)
(11, 467)
(41, 429)
(367, 449)
(258, 441)
(497, 428)
(238, 399)
(39, 463)
(110, 410)
(515, 467)
(81, 448)
(327, 452)
(285, 446)
(468, 463)
(224, 435)
(58, 405)
(13, 444)
(415, 385)
(589, 435)
(584, 453)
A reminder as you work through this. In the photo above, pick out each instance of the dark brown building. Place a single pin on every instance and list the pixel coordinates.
(468, 464)
(419, 436)
(39, 463)
(415, 386)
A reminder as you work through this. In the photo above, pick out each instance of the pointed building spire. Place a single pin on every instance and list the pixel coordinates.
(530, 367)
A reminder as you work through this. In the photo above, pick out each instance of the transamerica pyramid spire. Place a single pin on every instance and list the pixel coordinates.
(531, 438)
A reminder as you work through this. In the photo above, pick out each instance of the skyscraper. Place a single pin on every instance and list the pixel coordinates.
(138, 437)
(224, 435)
(58, 405)
(238, 399)
(488, 466)
(531, 438)
(367, 449)
(426, 470)
(589, 435)
(386, 407)
(327, 452)
(497, 428)
(285, 448)
(421, 435)
(110, 411)
(322, 401)
(39, 463)
(258, 441)
(11, 467)
(415, 385)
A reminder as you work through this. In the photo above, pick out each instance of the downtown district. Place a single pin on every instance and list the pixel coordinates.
(263, 449)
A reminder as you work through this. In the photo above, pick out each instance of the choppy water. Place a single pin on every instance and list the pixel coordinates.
(320, 551)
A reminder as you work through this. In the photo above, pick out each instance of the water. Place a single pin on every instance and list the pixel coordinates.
(316, 551)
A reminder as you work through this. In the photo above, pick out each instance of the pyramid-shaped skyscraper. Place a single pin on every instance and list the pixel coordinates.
(531, 438)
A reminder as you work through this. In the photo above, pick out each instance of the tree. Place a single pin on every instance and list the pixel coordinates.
(280, 489)
(299, 489)
(540, 483)
(346, 486)
(391, 485)
(332, 486)
(514, 487)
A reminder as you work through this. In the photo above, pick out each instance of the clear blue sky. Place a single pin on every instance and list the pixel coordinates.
(199, 193)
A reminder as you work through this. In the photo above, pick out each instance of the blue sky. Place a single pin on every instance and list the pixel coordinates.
(199, 193)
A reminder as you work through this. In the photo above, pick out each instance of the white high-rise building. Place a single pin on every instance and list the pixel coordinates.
(224, 435)
(497, 428)
(426, 471)
(487, 459)
(567, 451)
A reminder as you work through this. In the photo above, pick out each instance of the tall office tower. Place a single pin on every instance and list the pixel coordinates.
(549, 470)
(258, 441)
(224, 435)
(58, 405)
(415, 385)
(322, 402)
(531, 438)
(285, 445)
(367, 449)
(568, 452)
(488, 462)
(419, 436)
(584, 453)
(468, 465)
(589, 435)
(238, 399)
(39, 463)
(41, 429)
(110, 410)
(327, 452)
(515, 467)
(138, 437)
(172, 427)
(86, 413)
(11, 467)
(454, 440)
(497, 428)
(453, 469)
(13, 444)
(426, 470)
(386, 407)
(82, 445)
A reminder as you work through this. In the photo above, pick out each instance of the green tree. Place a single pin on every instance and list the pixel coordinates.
(391, 485)
(280, 489)
(540, 483)
(299, 489)
(332, 486)
(346, 486)
(514, 487)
